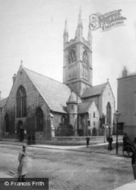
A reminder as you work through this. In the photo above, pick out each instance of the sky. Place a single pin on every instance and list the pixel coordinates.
(32, 31)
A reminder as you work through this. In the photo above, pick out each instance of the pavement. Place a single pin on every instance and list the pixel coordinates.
(5, 175)
(128, 186)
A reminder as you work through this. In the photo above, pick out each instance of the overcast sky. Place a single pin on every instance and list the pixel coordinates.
(32, 31)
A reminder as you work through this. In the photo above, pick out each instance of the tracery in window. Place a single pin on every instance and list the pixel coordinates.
(72, 56)
(85, 57)
(21, 102)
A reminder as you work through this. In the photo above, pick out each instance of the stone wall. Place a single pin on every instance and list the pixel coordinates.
(108, 96)
(34, 100)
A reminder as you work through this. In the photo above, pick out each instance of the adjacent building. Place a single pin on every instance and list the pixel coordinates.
(127, 102)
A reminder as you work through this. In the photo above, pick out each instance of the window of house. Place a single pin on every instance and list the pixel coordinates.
(94, 114)
(88, 122)
(21, 102)
(39, 119)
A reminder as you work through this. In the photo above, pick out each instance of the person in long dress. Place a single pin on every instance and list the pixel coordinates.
(22, 168)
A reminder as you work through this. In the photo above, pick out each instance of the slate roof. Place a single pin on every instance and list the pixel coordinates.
(83, 107)
(55, 93)
(94, 91)
(3, 102)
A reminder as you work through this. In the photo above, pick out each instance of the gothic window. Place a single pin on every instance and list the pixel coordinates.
(21, 102)
(85, 57)
(72, 107)
(108, 113)
(39, 119)
(7, 122)
(72, 56)
(89, 123)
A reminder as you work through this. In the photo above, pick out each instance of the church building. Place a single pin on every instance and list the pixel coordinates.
(42, 108)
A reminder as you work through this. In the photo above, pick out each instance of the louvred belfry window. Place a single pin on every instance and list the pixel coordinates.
(21, 102)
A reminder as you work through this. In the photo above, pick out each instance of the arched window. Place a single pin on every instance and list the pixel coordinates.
(39, 119)
(72, 56)
(85, 57)
(108, 113)
(7, 122)
(21, 102)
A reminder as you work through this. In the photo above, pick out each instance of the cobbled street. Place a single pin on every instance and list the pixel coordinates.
(92, 168)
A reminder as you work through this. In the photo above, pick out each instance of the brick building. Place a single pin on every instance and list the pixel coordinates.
(127, 102)
(42, 108)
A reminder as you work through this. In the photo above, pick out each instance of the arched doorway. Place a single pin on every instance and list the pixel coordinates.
(20, 131)
(6, 123)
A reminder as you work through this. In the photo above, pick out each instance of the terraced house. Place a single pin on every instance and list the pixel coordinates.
(41, 108)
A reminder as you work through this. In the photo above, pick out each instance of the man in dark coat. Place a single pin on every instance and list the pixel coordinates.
(87, 141)
(110, 139)
(133, 162)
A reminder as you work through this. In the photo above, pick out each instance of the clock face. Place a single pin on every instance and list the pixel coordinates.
(72, 56)
(85, 57)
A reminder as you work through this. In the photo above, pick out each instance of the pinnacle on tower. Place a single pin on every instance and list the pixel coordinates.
(89, 35)
(79, 31)
(66, 28)
(65, 35)
(80, 19)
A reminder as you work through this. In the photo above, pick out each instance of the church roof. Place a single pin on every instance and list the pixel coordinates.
(94, 90)
(83, 107)
(3, 102)
(72, 98)
(55, 93)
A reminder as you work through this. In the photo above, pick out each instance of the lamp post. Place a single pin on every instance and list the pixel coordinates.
(116, 115)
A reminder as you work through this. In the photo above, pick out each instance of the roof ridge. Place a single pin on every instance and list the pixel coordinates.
(99, 84)
(4, 99)
(43, 75)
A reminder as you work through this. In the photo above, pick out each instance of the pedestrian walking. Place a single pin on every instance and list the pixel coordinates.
(87, 141)
(133, 162)
(110, 140)
(22, 168)
(125, 139)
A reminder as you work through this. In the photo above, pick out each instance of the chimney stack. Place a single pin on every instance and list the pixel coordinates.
(124, 72)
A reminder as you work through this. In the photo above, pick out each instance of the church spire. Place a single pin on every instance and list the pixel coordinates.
(89, 35)
(79, 31)
(80, 19)
(65, 35)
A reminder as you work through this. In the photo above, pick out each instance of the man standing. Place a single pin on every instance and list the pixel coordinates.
(133, 162)
(110, 139)
(87, 141)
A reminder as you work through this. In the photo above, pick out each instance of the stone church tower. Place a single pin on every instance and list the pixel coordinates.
(77, 63)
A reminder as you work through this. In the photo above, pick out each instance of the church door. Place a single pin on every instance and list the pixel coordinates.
(20, 131)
